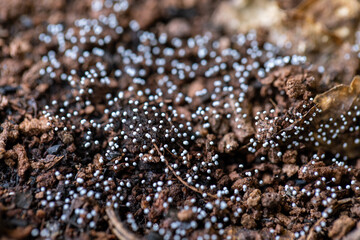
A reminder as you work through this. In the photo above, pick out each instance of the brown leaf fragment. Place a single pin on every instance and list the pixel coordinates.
(339, 99)
(331, 107)
(335, 104)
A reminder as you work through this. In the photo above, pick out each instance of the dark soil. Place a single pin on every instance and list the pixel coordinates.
(144, 119)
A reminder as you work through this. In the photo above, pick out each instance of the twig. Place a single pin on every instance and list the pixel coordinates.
(335, 207)
(118, 228)
(273, 103)
(180, 179)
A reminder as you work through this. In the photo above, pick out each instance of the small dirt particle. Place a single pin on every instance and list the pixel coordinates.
(270, 199)
(228, 143)
(178, 27)
(40, 213)
(185, 215)
(66, 137)
(247, 221)
(289, 156)
(290, 169)
(254, 198)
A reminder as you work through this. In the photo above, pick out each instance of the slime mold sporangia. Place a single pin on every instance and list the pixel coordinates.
(155, 126)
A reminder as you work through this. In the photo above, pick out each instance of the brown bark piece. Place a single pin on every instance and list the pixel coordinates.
(23, 161)
(34, 126)
(341, 227)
